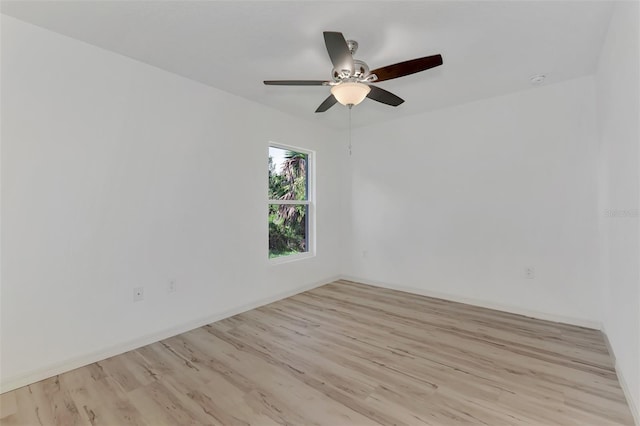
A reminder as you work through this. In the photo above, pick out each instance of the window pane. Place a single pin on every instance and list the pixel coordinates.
(288, 229)
(287, 174)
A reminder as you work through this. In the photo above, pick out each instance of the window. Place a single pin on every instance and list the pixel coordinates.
(290, 202)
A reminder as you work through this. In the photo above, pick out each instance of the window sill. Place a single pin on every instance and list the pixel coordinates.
(291, 258)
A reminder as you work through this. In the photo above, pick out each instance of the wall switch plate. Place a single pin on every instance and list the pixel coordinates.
(171, 288)
(138, 294)
(530, 273)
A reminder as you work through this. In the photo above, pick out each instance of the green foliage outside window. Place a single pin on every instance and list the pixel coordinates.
(288, 222)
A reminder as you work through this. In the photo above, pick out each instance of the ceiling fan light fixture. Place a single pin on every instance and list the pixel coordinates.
(350, 93)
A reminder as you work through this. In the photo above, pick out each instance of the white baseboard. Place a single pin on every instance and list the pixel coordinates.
(481, 303)
(623, 383)
(633, 407)
(12, 383)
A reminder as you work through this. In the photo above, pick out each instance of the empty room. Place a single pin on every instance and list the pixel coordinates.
(320, 213)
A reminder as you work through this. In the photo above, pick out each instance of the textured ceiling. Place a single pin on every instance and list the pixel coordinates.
(489, 48)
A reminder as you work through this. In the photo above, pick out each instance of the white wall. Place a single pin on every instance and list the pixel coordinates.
(116, 174)
(618, 90)
(457, 203)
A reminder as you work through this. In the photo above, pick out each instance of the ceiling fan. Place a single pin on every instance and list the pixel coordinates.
(351, 80)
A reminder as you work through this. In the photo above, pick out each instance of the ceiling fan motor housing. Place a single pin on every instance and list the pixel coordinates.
(361, 69)
(360, 73)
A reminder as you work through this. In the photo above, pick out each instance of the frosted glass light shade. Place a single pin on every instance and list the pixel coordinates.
(350, 93)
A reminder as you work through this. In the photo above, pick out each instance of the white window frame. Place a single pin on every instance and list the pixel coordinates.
(309, 202)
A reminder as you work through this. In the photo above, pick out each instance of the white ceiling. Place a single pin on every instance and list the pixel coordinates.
(489, 48)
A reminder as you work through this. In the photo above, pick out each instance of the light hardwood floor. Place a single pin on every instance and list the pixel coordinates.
(344, 354)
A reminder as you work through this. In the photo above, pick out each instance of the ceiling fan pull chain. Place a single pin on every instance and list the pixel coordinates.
(350, 130)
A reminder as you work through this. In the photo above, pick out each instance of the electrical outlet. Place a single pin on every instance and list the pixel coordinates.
(138, 294)
(530, 273)
(171, 288)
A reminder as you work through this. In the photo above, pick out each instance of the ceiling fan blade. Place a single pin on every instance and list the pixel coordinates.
(328, 103)
(295, 82)
(339, 51)
(383, 96)
(408, 67)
